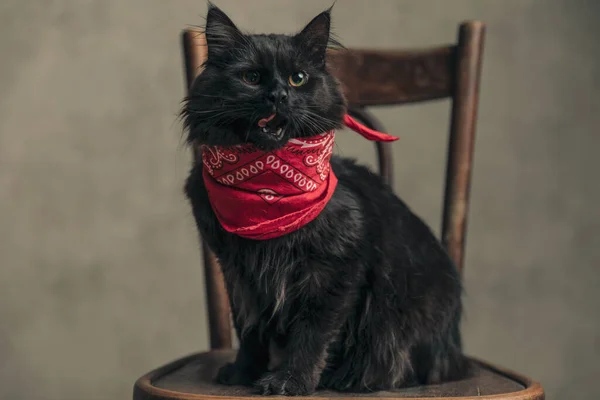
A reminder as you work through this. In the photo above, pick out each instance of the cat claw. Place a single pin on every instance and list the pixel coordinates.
(285, 384)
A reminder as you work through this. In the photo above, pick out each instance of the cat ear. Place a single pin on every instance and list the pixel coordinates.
(221, 32)
(315, 36)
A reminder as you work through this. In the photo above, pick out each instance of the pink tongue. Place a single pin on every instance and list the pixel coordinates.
(263, 122)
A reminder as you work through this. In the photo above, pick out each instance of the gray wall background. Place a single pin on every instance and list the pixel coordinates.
(100, 277)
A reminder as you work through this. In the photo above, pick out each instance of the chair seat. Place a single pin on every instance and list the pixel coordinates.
(192, 378)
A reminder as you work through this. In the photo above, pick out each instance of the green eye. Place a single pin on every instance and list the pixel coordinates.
(298, 78)
(251, 77)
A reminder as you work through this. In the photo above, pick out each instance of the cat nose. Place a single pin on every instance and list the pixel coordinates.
(278, 96)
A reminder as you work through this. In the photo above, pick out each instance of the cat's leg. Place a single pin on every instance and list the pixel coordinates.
(441, 360)
(317, 323)
(253, 354)
(250, 363)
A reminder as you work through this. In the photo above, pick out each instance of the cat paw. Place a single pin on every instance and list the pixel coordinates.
(230, 374)
(286, 384)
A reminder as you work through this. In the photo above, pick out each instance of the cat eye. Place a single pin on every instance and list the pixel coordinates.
(251, 77)
(298, 78)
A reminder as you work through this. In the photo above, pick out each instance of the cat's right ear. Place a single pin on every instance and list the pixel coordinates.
(314, 38)
(221, 33)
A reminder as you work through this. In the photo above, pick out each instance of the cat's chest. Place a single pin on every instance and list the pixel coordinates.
(261, 293)
(265, 273)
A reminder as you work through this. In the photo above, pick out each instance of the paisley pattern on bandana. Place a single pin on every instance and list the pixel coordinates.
(261, 195)
(264, 194)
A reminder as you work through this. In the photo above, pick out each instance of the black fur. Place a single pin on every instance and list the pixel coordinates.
(363, 297)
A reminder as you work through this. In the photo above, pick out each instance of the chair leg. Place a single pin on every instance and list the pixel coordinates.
(462, 139)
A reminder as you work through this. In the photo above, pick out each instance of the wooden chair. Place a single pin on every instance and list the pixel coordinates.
(370, 78)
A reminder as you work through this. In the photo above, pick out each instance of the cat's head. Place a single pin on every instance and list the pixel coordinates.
(252, 80)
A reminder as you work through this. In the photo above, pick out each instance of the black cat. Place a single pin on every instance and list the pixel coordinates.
(362, 298)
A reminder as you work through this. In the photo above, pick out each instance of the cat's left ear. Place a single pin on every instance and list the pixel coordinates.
(314, 38)
(221, 32)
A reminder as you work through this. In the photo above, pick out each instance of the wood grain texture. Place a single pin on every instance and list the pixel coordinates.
(217, 300)
(385, 77)
(192, 378)
(219, 320)
(195, 52)
(462, 139)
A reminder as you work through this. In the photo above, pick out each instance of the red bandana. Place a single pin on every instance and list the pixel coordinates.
(260, 194)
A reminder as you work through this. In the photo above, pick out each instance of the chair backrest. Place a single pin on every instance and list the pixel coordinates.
(375, 78)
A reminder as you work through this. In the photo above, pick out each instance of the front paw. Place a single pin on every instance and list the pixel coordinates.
(230, 374)
(286, 383)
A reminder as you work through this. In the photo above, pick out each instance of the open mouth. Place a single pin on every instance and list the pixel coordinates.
(273, 125)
